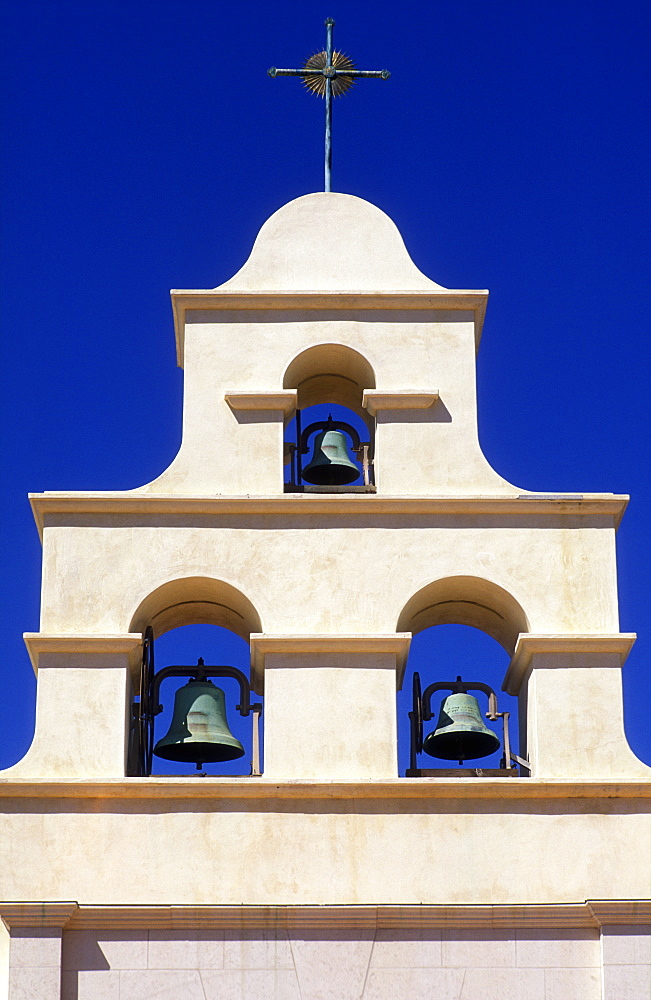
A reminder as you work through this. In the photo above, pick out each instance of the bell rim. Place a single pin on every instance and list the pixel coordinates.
(485, 737)
(213, 753)
(346, 470)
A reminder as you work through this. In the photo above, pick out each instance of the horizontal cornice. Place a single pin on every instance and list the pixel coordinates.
(618, 644)
(267, 791)
(264, 644)
(376, 400)
(108, 645)
(214, 299)
(134, 504)
(283, 400)
(72, 916)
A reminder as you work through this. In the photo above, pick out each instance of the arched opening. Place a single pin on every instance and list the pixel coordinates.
(466, 600)
(463, 627)
(329, 443)
(196, 600)
(216, 646)
(193, 618)
(331, 373)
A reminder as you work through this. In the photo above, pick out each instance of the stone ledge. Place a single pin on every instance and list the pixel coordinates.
(44, 914)
(73, 916)
(184, 300)
(618, 644)
(283, 400)
(135, 504)
(262, 644)
(375, 399)
(42, 642)
(268, 791)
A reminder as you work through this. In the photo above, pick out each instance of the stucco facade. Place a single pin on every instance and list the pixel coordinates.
(329, 875)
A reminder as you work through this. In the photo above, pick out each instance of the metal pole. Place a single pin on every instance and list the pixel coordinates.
(365, 464)
(328, 105)
(507, 740)
(255, 742)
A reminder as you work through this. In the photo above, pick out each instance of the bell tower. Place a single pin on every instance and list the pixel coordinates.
(329, 500)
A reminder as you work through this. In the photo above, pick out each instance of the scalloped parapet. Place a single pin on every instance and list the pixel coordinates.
(331, 243)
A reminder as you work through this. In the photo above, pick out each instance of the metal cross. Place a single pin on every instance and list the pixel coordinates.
(329, 74)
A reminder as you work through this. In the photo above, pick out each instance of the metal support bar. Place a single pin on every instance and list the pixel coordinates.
(507, 739)
(415, 726)
(325, 425)
(255, 741)
(199, 673)
(145, 718)
(460, 687)
(378, 74)
(365, 471)
(292, 462)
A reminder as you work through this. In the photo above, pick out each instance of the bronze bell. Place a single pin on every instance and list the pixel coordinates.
(460, 732)
(330, 465)
(199, 732)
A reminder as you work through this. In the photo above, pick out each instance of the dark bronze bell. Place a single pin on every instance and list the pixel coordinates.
(199, 732)
(330, 465)
(460, 732)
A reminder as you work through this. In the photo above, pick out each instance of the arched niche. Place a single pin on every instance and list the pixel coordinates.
(466, 600)
(331, 373)
(196, 600)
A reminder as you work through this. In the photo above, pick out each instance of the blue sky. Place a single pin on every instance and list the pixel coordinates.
(144, 146)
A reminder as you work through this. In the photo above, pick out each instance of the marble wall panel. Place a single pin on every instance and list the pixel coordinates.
(344, 964)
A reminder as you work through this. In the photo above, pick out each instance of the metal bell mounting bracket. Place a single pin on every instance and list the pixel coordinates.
(422, 712)
(150, 706)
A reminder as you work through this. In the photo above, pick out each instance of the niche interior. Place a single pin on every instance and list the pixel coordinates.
(330, 442)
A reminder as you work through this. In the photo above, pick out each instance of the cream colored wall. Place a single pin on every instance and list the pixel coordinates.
(575, 719)
(83, 707)
(435, 450)
(424, 347)
(570, 702)
(319, 568)
(349, 849)
(318, 575)
(310, 573)
(81, 720)
(359, 248)
(329, 822)
(330, 716)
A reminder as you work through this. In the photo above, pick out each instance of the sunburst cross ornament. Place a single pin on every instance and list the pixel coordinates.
(329, 74)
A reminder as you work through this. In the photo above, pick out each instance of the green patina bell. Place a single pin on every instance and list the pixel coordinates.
(330, 465)
(460, 732)
(199, 732)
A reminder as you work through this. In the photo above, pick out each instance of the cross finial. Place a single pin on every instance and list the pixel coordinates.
(329, 74)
